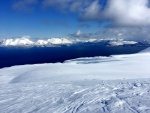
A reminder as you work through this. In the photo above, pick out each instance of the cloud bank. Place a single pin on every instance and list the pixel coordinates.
(128, 12)
(119, 12)
(126, 33)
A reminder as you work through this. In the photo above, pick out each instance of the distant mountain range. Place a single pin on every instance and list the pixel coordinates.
(64, 41)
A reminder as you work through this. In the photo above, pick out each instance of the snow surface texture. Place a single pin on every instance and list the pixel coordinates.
(116, 84)
(25, 41)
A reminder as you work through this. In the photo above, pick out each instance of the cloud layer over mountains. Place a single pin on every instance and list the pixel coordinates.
(126, 33)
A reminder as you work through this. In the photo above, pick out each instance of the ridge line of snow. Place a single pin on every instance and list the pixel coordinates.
(25, 41)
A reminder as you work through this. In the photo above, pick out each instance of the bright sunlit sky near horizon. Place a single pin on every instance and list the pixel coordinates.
(75, 18)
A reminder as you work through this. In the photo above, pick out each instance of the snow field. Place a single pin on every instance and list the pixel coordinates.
(115, 84)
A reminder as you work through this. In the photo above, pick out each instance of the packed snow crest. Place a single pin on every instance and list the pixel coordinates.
(115, 84)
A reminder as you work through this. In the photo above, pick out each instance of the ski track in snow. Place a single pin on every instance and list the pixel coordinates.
(116, 84)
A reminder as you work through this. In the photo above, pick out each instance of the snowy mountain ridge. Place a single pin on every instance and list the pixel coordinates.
(118, 43)
(25, 41)
(21, 41)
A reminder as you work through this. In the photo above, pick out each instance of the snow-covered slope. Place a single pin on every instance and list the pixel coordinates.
(116, 84)
(146, 50)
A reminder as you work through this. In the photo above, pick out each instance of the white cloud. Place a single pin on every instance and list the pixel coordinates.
(78, 33)
(92, 11)
(77, 5)
(25, 5)
(59, 4)
(128, 12)
(120, 12)
(67, 5)
(127, 33)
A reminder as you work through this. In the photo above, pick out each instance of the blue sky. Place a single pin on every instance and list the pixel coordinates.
(37, 21)
(67, 18)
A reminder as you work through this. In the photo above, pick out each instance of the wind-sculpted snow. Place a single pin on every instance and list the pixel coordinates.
(115, 84)
(125, 96)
